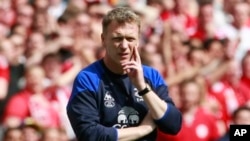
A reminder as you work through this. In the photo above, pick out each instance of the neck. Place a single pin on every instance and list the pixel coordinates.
(113, 66)
(190, 110)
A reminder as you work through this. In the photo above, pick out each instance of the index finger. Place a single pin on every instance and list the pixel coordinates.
(137, 55)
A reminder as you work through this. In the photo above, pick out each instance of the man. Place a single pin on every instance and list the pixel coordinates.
(241, 116)
(118, 98)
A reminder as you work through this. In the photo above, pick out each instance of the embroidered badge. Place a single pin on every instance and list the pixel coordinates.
(109, 101)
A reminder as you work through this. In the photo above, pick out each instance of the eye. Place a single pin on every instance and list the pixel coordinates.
(117, 39)
(130, 39)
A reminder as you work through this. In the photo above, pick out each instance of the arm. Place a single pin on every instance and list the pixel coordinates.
(167, 117)
(68, 76)
(85, 117)
(4, 78)
(133, 133)
(4, 88)
(183, 75)
(212, 71)
(85, 122)
(166, 45)
(215, 70)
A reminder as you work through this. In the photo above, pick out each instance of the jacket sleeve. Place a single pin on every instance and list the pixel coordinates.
(83, 114)
(172, 120)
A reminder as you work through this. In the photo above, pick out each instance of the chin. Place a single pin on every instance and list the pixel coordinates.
(123, 60)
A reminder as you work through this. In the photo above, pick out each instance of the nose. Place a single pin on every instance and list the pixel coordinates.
(124, 44)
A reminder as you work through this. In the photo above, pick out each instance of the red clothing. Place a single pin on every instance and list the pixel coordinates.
(188, 21)
(199, 34)
(24, 104)
(202, 35)
(202, 128)
(230, 98)
(67, 65)
(246, 82)
(4, 69)
(58, 98)
(17, 106)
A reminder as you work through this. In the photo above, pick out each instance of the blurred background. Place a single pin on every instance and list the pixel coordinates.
(201, 48)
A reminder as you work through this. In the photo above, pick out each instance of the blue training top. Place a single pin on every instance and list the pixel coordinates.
(102, 102)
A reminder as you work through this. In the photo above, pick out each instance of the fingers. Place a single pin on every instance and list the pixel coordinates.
(132, 55)
(134, 63)
(130, 65)
(137, 56)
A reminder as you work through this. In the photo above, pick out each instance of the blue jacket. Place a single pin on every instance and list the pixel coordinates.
(102, 102)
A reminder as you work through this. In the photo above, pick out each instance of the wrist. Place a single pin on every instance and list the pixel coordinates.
(142, 87)
(145, 129)
(144, 91)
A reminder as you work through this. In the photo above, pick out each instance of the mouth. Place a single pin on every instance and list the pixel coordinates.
(124, 55)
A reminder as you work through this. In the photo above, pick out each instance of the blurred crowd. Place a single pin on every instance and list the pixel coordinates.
(201, 47)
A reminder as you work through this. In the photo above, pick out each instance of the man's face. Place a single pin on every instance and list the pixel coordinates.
(206, 14)
(190, 95)
(120, 41)
(243, 117)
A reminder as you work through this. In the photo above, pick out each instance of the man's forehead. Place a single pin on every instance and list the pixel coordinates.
(119, 28)
(123, 24)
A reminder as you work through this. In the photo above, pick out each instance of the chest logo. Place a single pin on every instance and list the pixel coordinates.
(202, 131)
(127, 117)
(137, 96)
(109, 101)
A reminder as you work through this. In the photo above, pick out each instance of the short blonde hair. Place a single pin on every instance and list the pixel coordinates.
(121, 15)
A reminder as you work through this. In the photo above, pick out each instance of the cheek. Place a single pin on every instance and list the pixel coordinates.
(111, 51)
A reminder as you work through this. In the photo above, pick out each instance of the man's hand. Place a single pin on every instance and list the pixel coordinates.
(134, 70)
(134, 133)
(148, 124)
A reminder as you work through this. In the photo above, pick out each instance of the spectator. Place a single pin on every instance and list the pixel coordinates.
(31, 131)
(7, 14)
(35, 48)
(198, 123)
(17, 3)
(51, 134)
(13, 68)
(245, 65)
(7, 49)
(182, 20)
(17, 64)
(25, 15)
(206, 27)
(31, 102)
(13, 134)
(45, 24)
(40, 6)
(229, 91)
(238, 30)
(58, 92)
(241, 116)
(6, 54)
